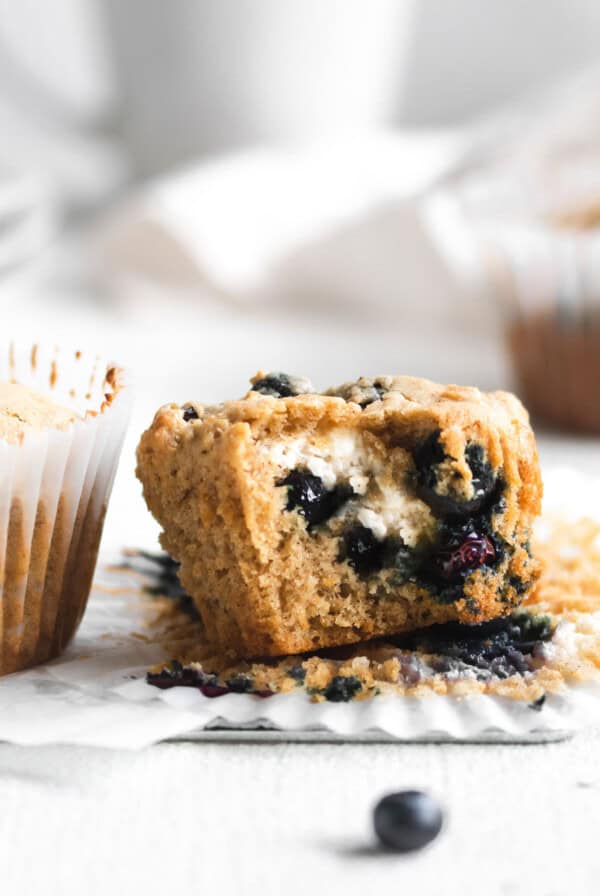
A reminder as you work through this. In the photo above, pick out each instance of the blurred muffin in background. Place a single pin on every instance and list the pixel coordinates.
(553, 331)
(536, 232)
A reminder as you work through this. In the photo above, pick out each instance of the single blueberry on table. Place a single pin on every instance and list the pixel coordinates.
(407, 820)
(307, 494)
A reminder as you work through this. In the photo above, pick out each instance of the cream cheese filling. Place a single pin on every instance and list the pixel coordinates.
(343, 458)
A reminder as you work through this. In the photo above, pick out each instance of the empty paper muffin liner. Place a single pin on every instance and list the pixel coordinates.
(54, 489)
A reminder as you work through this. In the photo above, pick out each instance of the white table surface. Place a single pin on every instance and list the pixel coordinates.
(241, 818)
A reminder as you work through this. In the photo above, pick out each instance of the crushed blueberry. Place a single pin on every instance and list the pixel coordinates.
(462, 554)
(500, 648)
(487, 488)
(174, 675)
(177, 675)
(482, 477)
(282, 385)
(307, 494)
(239, 684)
(362, 550)
(214, 690)
(407, 821)
(190, 413)
(405, 561)
(342, 688)
(298, 673)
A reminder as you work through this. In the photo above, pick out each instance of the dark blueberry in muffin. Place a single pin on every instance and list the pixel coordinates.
(308, 495)
(364, 553)
(407, 820)
(190, 413)
(282, 385)
(462, 554)
(404, 560)
(342, 688)
(483, 479)
(485, 485)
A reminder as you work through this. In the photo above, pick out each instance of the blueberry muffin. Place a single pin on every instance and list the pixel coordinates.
(23, 410)
(303, 520)
(62, 419)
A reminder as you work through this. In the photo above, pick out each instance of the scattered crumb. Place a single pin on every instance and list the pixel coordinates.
(553, 641)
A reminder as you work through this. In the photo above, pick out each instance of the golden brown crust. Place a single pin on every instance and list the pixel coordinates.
(266, 585)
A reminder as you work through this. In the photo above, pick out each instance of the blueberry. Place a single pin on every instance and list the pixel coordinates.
(407, 820)
(342, 688)
(500, 647)
(282, 385)
(362, 550)
(307, 494)
(371, 394)
(177, 675)
(189, 413)
(298, 673)
(239, 684)
(462, 554)
(483, 479)
(404, 560)
(486, 486)
(213, 690)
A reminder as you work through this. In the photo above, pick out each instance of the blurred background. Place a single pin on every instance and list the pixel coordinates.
(333, 188)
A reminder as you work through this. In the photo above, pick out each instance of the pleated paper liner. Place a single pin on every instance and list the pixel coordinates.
(54, 490)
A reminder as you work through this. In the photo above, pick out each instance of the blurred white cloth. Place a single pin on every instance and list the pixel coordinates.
(336, 224)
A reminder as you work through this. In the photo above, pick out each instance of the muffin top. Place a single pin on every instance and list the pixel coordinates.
(23, 410)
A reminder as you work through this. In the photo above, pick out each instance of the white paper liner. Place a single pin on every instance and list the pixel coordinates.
(96, 692)
(54, 489)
